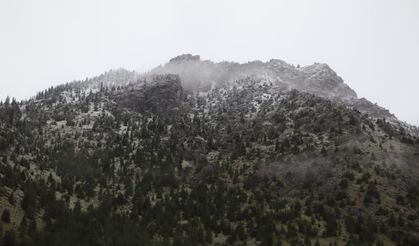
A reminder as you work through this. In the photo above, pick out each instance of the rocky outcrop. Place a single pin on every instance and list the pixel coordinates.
(321, 80)
(163, 95)
(318, 79)
(185, 57)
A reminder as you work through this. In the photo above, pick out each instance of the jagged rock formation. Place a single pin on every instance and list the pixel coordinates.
(318, 79)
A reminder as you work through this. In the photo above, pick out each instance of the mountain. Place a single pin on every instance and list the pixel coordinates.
(201, 153)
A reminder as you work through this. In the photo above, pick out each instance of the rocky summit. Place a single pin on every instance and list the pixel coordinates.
(195, 152)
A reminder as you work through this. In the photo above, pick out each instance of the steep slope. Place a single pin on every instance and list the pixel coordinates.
(247, 160)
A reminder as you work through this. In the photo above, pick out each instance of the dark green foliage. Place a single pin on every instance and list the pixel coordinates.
(9, 238)
(5, 216)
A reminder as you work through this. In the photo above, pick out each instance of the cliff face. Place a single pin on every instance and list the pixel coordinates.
(162, 95)
(321, 80)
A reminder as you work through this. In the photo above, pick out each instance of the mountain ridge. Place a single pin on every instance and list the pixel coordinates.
(203, 75)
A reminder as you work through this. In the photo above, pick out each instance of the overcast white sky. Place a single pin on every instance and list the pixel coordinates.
(372, 45)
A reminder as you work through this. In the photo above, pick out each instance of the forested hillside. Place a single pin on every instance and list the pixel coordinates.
(246, 161)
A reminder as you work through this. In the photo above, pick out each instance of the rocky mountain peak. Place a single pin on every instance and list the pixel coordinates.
(318, 79)
(185, 57)
(323, 81)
